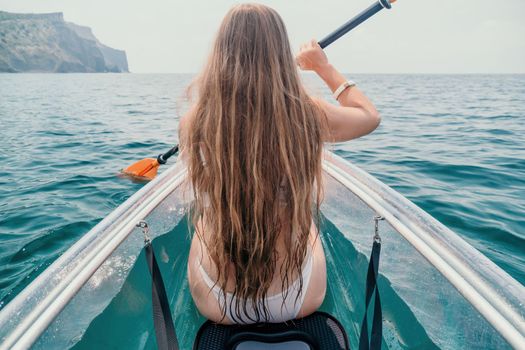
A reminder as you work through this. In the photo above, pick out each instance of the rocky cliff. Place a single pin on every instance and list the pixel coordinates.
(46, 43)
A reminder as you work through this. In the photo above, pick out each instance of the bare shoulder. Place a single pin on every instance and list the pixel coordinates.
(183, 131)
(185, 120)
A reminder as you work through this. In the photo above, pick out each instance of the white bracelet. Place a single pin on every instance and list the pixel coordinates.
(343, 87)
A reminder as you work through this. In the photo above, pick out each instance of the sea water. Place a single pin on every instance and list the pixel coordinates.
(455, 145)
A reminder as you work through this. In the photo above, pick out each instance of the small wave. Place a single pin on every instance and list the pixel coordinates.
(51, 242)
(53, 133)
(138, 112)
(502, 116)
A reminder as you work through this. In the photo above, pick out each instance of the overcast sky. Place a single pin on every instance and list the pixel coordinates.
(416, 36)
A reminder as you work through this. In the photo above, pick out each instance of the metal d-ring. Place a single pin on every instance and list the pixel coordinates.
(377, 218)
(145, 231)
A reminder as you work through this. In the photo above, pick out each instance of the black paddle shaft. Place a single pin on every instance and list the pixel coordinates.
(354, 22)
(162, 158)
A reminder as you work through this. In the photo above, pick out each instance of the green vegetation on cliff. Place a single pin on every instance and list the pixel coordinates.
(46, 43)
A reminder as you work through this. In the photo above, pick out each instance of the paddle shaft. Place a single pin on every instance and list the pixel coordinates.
(162, 158)
(354, 22)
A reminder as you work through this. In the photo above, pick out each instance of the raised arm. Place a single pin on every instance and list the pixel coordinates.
(355, 116)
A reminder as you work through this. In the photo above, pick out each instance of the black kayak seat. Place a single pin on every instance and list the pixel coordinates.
(318, 331)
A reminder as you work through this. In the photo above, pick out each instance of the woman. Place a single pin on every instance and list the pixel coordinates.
(253, 143)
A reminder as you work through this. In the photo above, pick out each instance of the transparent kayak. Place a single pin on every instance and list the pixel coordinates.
(437, 291)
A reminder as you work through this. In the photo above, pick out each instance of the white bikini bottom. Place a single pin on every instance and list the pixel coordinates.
(278, 311)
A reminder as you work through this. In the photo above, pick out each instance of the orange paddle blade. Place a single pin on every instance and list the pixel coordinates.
(145, 169)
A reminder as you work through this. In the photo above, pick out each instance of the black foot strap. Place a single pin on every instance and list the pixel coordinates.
(164, 329)
(374, 342)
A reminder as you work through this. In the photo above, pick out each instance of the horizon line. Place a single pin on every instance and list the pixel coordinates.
(306, 73)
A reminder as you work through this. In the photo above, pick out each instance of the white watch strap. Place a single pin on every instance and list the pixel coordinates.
(343, 87)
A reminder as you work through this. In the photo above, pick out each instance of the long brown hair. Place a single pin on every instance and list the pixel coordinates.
(254, 149)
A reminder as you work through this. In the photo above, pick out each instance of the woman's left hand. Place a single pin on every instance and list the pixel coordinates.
(311, 56)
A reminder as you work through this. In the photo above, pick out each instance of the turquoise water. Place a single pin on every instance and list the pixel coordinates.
(455, 145)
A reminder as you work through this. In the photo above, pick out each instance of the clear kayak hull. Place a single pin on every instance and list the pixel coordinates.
(437, 290)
